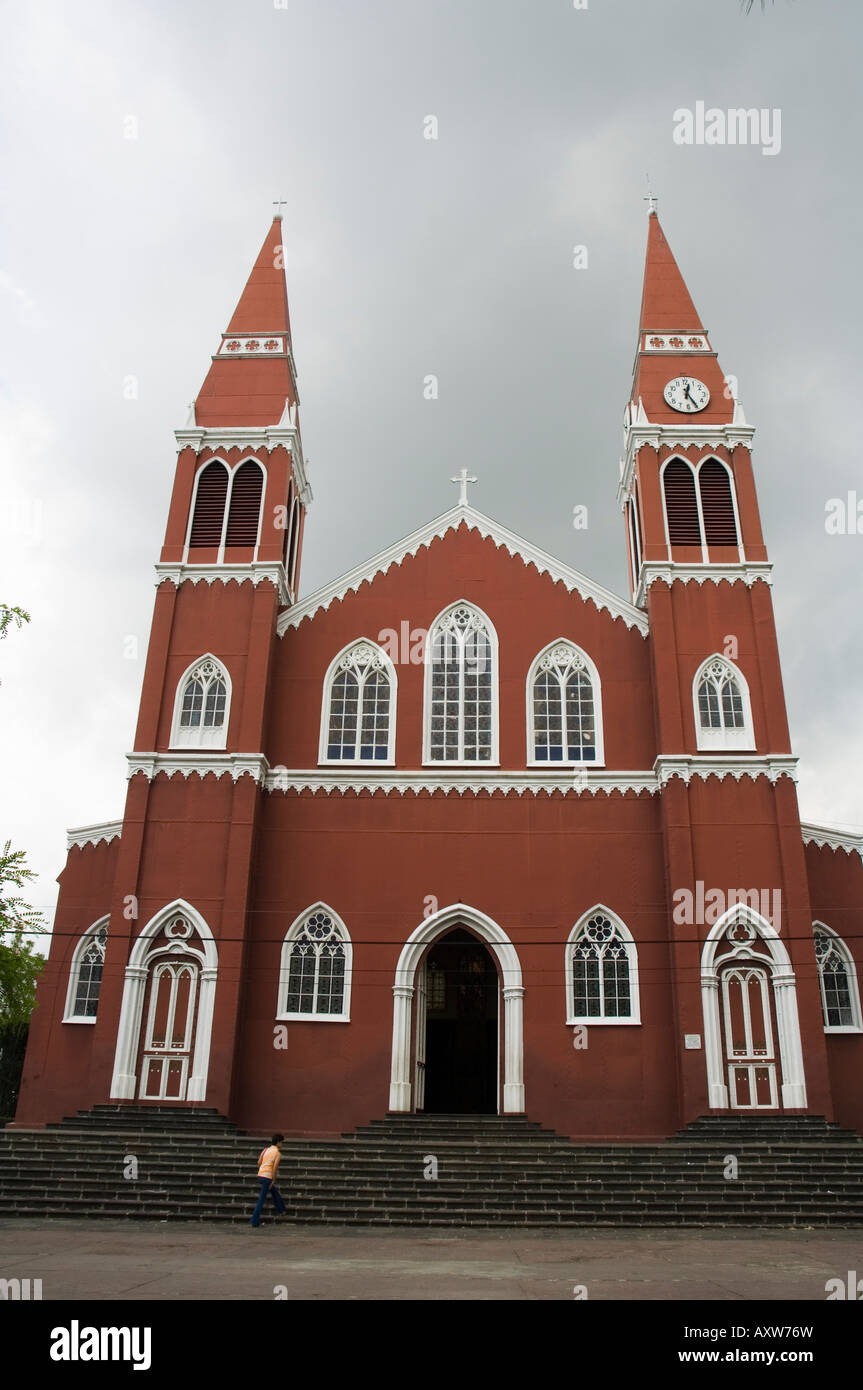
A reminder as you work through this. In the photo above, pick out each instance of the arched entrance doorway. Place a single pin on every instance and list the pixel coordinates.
(410, 1009)
(457, 1060)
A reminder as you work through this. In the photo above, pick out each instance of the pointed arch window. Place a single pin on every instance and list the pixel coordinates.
(717, 503)
(244, 511)
(358, 719)
(85, 975)
(315, 978)
(723, 715)
(601, 971)
(837, 977)
(461, 724)
(227, 506)
(202, 706)
(564, 714)
(681, 503)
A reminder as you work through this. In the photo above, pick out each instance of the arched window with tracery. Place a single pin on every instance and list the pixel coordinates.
(315, 978)
(601, 971)
(461, 723)
(202, 706)
(837, 977)
(85, 975)
(358, 720)
(564, 716)
(723, 715)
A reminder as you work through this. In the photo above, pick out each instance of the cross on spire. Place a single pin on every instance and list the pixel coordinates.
(464, 478)
(651, 200)
(278, 204)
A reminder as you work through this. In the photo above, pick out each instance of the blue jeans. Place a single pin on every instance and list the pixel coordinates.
(267, 1188)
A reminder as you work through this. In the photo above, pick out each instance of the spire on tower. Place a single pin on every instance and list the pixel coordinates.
(252, 377)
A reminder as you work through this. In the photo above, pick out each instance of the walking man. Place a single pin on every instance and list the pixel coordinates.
(268, 1167)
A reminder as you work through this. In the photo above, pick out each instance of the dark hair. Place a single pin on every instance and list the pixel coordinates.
(277, 1138)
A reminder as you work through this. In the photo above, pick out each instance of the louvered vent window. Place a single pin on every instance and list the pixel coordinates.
(245, 506)
(717, 507)
(210, 506)
(681, 504)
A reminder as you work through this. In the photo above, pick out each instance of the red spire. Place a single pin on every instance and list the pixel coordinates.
(673, 343)
(251, 377)
(666, 304)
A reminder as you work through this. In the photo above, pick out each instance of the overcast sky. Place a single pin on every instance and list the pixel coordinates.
(123, 257)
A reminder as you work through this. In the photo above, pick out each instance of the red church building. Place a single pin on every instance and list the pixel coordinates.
(462, 831)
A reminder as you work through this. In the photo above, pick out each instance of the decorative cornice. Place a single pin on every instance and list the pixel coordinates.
(286, 435)
(488, 529)
(234, 765)
(831, 838)
(578, 781)
(257, 571)
(93, 834)
(676, 436)
(681, 344)
(669, 573)
(736, 765)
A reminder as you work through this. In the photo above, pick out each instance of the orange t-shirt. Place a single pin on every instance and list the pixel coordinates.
(267, 1162)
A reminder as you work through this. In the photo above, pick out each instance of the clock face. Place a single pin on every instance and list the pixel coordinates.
(686, 393)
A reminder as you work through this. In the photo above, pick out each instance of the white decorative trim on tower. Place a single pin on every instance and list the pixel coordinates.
(93, 834)
(474, 521)
(447, 780)
(681, 344)
(234, 765)
(686, 766)
(666, 572)
(253, 345)
(257, 571)
(285, 435)
(640, 432)
(826, 836)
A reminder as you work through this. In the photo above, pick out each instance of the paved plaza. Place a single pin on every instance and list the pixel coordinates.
(117, 1260)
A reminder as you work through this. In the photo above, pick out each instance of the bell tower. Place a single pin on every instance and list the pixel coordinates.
(699, 566)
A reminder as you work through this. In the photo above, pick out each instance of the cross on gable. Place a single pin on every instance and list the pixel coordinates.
(464, 478)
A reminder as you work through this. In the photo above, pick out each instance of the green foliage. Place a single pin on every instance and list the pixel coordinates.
(11, 615)
(20, 964)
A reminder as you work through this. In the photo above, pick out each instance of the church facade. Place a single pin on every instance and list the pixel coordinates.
(463, 831)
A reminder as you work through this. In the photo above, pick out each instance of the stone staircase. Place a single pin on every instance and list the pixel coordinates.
(194, 1165)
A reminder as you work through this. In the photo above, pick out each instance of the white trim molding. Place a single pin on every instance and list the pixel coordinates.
(342, 935)
(668, 573)
(704, 765)
(93, 834)
(628, 941)
(827, 836)
(134, 988)
(473, 520)
(199, 761)
(258, 571)
(751, 924)
(581, 779)
(511, 989)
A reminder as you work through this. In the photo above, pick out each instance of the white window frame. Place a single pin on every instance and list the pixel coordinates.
(326, 700)
(695, 469)
(231, 471)
(294, 931)
(69, 1015)
(728, 740)
(626, 937)
(491, 633)
(596, 685)
(847, 959)
(200, 737)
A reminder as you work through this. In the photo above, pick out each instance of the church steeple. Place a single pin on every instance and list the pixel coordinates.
(252, 377)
